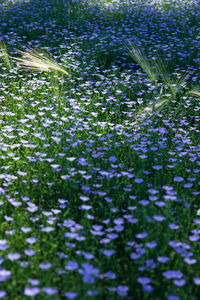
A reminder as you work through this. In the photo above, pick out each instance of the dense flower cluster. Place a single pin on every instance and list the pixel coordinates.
(93, 202)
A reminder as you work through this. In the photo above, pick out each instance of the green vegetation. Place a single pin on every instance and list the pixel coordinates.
(99, 150)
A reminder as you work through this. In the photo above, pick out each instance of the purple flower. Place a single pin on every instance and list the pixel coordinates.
(2, 294)
(112, 159)
(4, 274)
(109, 275)
(26, 229)
(153, 191)
(135, 255)
(178, 179)
(70, 245)
(138, 180)
(33, 281)
(47, 229)
(122, 290)
(92, 292)
(32, 208)
(1, 260)
(50, 290)
(153, 198)
(167, 187)
(44, 266)
(157, 167)
(188, 185)
(87, 255)
(196, 221)
(160, 203)
(107, 252)
(84, 198)
(144, 202)
(13, 256)
(89, 269)
(29, 252)
(148, 288)
(105, 241)
(173, 297)
(31, 240)
(151, 245)
(23, 264)
(31, 291)
(173, 226)
(190, 261)
(70, 295)
(97, 227)
(144, 280)
(119, 221)
(119, 228)
(85, 207)
(179, 282)
(196, 280)
(163, 259)
(71, 265)
(71, 235)
(159, 218)
(150, 264)
(194, 238)
(3, 245)
(65, 177)
(174, 244)
(71, 158)
(8, 219)
(141, 235)
(87, 278)
(132, 220)
(154, 148)
(132, 207)
(112, 236)
(172, 274)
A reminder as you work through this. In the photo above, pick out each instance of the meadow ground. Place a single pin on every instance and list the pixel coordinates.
(100, 157)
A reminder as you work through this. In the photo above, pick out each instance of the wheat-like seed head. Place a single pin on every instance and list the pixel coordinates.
(158, 68)
(163, 68)
(194, 92)
(139, 57)
(36, 61)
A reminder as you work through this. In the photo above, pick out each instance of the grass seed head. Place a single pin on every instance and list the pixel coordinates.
(139, 57)
(37, 61)
(195, 92)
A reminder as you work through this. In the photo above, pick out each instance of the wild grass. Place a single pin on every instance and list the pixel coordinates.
(99, 151)
(194, 92)
(36, 61)
(160, 68)
(4, 55)
(149, 67)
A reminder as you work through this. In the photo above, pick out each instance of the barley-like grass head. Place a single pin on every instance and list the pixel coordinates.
(140, 57)
(37, 61)
(194, 92)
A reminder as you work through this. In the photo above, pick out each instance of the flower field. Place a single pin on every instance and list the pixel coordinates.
(100, 149)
